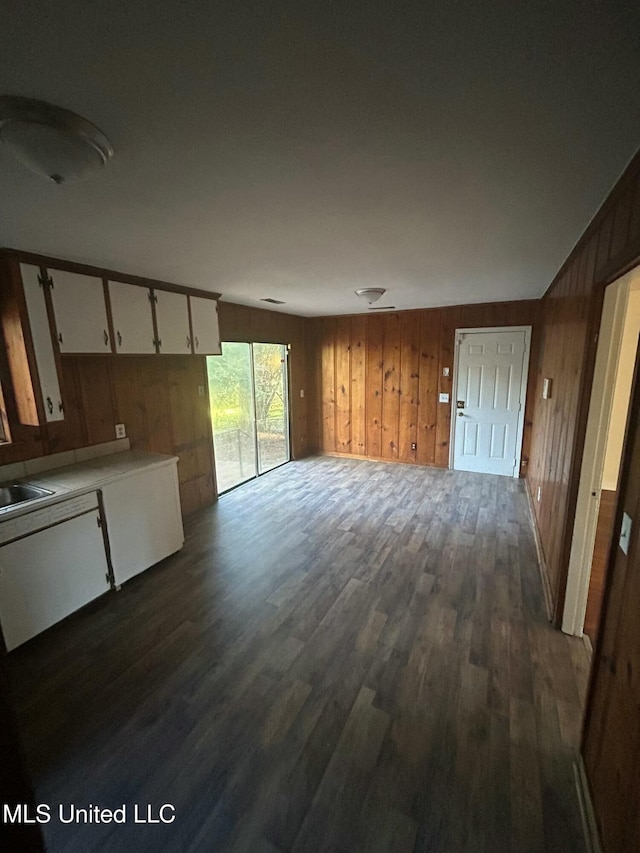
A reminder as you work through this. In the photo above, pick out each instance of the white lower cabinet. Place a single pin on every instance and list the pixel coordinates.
(144, 521)
(53, 560)
(49, 574)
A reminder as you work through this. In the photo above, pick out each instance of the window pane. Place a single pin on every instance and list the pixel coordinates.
(232, 415)
(272, 419)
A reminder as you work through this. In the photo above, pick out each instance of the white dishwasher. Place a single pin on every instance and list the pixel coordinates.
(52, 562)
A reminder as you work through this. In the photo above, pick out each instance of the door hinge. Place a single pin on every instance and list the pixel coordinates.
(45, 281)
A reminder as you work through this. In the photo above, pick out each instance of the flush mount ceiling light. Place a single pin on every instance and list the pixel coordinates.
(51, 141)
(370, 294)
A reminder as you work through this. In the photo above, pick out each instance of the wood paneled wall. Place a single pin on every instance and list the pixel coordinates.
(599, 563)
(378, 378)
(157, 399)
(571, 311)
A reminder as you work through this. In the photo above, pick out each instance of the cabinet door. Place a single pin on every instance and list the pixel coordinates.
(204, 320)
(42, 344)
(47, 575)
(172, 317)
(143, 519)
(132, 318)
(80, 312)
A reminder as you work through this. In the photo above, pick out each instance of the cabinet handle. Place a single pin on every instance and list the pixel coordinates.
(106, 337)
(60, 406)
(119, 339)
(188, 342)
(60, 337)
(197, 343)
(50, 405)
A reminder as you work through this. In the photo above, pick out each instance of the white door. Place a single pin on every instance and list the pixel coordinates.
(132, 318)
(80, 312)
(172, 316)
(488, 411)
(204, 320)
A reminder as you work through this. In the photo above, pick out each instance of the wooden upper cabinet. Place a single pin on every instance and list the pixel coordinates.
(42, 344)
(172, 317)
(204, 322)
(132, 315)
(80, 312)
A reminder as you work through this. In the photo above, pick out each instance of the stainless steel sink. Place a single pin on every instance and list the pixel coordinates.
(18, 493)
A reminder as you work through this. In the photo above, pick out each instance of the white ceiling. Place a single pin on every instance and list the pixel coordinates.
(448, 151)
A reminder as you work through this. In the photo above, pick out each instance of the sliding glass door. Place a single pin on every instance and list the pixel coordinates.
(249, 411)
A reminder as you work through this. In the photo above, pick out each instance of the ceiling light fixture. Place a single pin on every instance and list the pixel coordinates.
(370, 294)
(51, 141)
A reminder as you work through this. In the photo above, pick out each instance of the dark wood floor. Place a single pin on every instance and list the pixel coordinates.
(346, 656)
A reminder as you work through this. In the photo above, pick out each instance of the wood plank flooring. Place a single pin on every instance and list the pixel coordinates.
(346, 656)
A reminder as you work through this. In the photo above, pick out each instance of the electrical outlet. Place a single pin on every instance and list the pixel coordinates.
(443, 398)
(120, 431)
(414, 445)
(539, 494)
(302, 392)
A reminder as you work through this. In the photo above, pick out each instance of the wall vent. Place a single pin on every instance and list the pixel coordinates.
(273, 301)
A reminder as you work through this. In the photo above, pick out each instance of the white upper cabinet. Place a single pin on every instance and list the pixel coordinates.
(42, 345)
(80, 311)
(204, 321)
(132, 318)
(172, 317)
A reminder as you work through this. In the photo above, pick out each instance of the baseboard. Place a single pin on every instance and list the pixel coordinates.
(542, 565)
(339, 455)
(587, 813)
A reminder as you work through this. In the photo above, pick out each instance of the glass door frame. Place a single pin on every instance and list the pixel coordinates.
(286, 399)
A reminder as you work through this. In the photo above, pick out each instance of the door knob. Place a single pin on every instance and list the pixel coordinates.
(460, 414)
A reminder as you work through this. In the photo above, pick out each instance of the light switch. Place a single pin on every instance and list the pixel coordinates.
(302, 392)
(625, 533)
(200, 390)
(445, 371)
(443, 398)
(546, 388)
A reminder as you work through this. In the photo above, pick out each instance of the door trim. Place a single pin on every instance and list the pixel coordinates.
(523, 386)
(583, 537)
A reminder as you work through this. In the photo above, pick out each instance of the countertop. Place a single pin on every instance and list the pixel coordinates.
(82, 477)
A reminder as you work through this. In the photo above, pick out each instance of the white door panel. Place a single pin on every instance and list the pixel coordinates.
(132, 318)
(489, 409)
(172, 316)
(80, 312)
(42, 344)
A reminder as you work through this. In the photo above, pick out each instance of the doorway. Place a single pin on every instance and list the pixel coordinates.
(599, 474)
(490, 382)
(248, 393)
